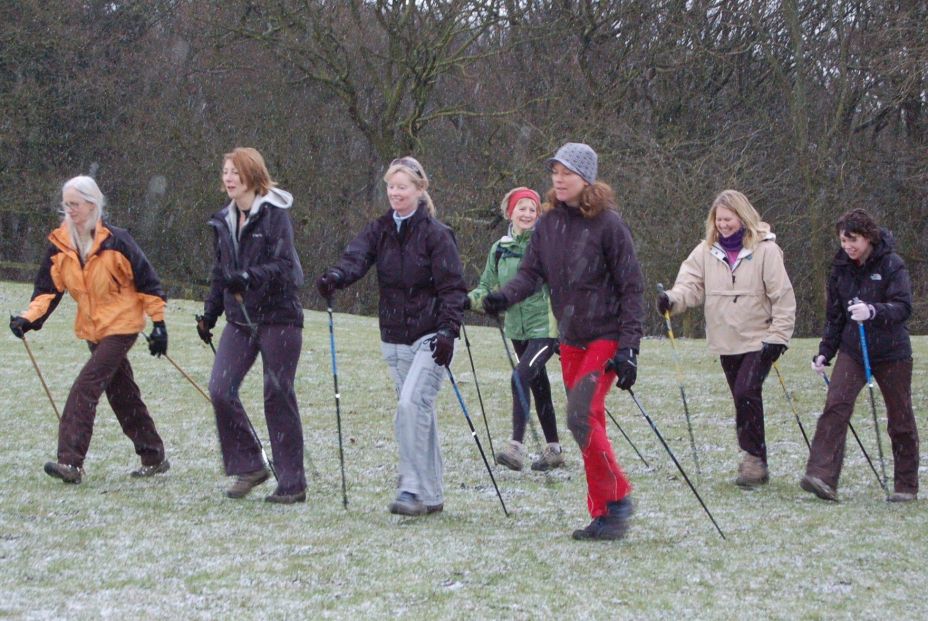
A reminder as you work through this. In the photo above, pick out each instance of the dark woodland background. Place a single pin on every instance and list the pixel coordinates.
(810, 108)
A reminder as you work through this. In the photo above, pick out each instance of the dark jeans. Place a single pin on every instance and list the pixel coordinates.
(533, 356)
(746, 374)
(279, 346)
(847, 380)
(108, 371)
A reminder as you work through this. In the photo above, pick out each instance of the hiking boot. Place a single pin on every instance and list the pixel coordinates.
(610, 526)
(286, 499)
(818, 487)
(902, 497)
(513, 456)
(244, 483)
(68, 474)
(407, 503)
(150, 471)
(752, 472)
(551, 457)
(430, 509)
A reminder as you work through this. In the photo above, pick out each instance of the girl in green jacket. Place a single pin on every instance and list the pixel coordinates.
(531, 327)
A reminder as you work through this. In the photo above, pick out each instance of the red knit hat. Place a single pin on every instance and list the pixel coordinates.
(518, 194)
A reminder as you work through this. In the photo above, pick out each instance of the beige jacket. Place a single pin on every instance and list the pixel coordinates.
(747, 304)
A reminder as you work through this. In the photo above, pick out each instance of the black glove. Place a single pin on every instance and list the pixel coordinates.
(625, 365)
(237, 282)
(495, 303)
(467, 304)
(770, 352)
(663, 303)
(19, 326)
(205, 323)
(442, 347)
(329, 282)
(158, 340)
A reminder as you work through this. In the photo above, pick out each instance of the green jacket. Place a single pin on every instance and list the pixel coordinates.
(529, 319)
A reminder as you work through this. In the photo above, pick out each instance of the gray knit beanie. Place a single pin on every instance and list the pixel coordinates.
(577, 157)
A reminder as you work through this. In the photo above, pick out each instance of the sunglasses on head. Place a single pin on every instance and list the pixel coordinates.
(410, 163)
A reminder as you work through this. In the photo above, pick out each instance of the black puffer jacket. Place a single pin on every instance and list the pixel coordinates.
(882, 281)
(419, 274)
(592, 271)
(264, 249)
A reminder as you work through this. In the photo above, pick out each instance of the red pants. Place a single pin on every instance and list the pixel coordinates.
(587, 386)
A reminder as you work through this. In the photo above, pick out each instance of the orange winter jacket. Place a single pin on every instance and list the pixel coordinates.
(114, 288)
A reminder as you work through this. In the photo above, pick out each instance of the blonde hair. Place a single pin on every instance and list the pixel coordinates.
(251, 169)
(90, 192)
(504, 204)
(736, 202)
(416, 173)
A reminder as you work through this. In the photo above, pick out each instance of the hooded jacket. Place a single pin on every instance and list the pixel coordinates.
(593, 274)
(264, 250)
(115, 287)
(419, 275)
(746, 304)
(883, 281)
(530, 319)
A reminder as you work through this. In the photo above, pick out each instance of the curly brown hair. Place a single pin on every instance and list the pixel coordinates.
(859, 222)
(594, 200)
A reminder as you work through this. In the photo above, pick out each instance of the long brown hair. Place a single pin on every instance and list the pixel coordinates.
(594, 200)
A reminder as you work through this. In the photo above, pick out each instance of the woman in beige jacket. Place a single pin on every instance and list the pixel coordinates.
(750, 309)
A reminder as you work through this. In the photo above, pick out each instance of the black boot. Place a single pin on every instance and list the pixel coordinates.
(610, 526)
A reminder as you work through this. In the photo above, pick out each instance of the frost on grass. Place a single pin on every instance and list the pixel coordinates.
(175, 547)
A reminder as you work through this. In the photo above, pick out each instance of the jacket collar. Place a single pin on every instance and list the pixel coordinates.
(61, 238)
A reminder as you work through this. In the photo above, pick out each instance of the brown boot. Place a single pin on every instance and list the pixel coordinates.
(244, 483)
(752, 472)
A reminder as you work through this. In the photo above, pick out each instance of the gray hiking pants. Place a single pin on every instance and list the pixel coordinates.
(417, 379)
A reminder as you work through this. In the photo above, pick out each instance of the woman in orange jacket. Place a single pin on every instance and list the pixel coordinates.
(114, 286)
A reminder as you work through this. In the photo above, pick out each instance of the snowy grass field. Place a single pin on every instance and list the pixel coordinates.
(175, 547)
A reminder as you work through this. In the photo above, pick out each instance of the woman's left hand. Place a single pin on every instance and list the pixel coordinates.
(771, 352)
(442, 347)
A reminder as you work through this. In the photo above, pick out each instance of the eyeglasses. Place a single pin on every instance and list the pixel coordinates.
(410, 163)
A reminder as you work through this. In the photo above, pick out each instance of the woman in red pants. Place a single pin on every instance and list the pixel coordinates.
(583, 250)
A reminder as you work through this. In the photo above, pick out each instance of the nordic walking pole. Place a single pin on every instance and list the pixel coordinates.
(251, 326)
(254, 433)
(792, 406)
(859, 443)
(473, 432)
(876, 423)
(41, 378)
(338, 407)
(483, 412)
(676, 362)
(627, 439)
(676, 463)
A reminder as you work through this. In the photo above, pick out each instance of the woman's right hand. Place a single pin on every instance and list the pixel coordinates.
(328, 283)
(205, 324)
(819, 363)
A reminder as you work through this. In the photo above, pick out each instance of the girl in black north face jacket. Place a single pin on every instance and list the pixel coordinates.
(870, 297)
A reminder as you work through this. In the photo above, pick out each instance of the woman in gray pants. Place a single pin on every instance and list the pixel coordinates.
(422, 297)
